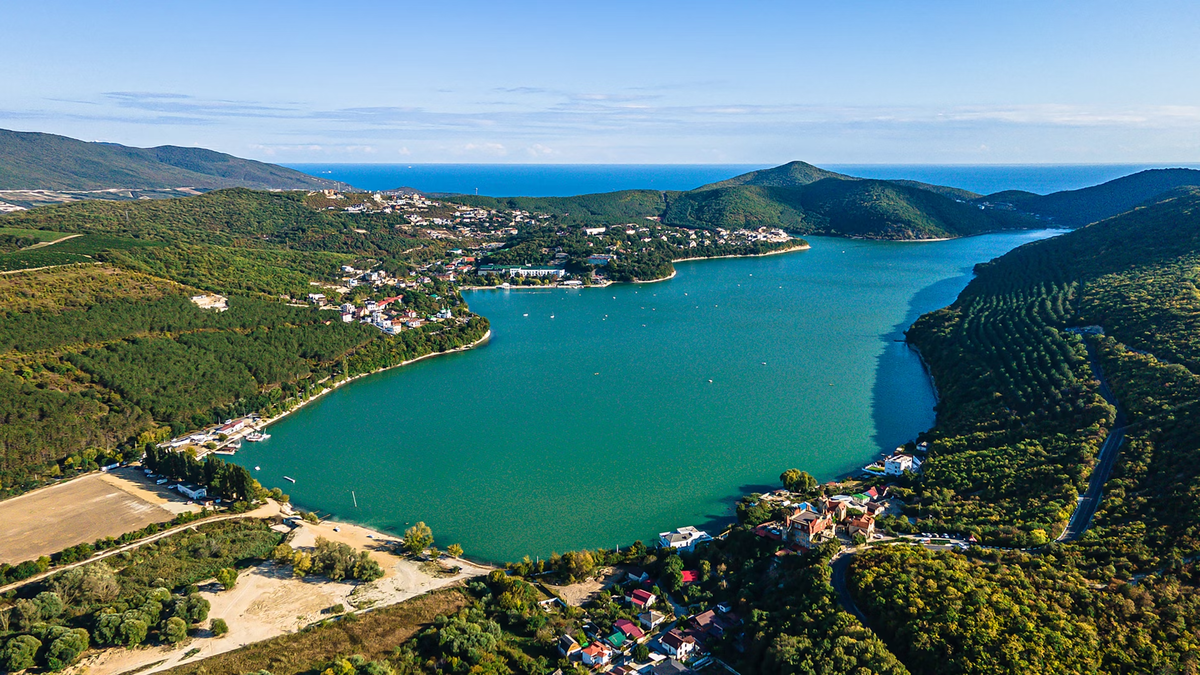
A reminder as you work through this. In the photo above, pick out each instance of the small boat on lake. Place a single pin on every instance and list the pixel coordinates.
(289, 478)
(256, 436)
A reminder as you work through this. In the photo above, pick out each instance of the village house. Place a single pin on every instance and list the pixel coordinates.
(596, 654)
(568, 647)
(642, 598)
(835, 509)
(231, 427)
(636, 574)
(806, 527)
(676, 644)
(629, 628)
(864, 525)
(709, 624)
(684, 539)
(651, 619)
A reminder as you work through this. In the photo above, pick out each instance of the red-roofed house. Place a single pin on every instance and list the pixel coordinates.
(642, 598)
(864, 525)
(690, 576)
(806, 527)
(629, 628)
(596, 654)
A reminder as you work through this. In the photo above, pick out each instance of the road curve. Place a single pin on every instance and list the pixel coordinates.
(1081, 518)
(837, 579)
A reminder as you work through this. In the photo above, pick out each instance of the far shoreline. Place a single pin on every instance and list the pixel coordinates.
(792, 249)
(269, 421)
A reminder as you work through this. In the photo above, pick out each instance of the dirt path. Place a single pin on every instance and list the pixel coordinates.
(268, 601)
(265, 511)
(44, 244)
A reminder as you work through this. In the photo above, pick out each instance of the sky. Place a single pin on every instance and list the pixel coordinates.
(859, 81)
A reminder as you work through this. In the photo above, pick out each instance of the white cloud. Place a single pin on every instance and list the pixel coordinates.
(489, 149)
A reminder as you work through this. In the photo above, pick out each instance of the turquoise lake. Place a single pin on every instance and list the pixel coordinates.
(595, 417)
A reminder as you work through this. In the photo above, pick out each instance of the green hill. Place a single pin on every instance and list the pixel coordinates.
(792, 174)
(849, 207)
(1021, 419)
(795, 196)
(37, 161)
(1072, 208)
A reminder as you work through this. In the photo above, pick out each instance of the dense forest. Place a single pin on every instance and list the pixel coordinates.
(796, 196)
(871, 209)
(1020, 420)
(80, 368)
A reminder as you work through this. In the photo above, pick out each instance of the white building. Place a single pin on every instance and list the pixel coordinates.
(537, 272)
(192, 491)
(594, 230)
(897, 464)
(685, 538)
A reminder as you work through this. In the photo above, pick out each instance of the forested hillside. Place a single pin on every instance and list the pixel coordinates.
(37, 161)
(1019, 423)
(856, 208)
(1072, 208)
(102, 358)
(96, 359)
(796, 196)
(234, 240)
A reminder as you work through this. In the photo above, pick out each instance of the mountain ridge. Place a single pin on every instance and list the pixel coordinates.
(1073, 208)
(42, 161)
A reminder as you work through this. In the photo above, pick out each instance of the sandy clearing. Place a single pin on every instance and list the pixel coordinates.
(85, 509)
(267, 601)
(578, 594)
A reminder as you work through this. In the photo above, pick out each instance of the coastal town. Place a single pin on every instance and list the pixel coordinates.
(488, 248)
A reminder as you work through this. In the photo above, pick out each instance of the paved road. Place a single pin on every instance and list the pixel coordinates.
(1081, 518)
(838, 581)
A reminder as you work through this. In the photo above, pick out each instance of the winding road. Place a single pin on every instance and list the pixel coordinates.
(1081, 517)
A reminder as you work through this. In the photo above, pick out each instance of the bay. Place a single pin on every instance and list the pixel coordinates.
(595, 417)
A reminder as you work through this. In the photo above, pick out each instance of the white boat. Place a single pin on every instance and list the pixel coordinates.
(289, 478)
(258, 468)
(257, 436)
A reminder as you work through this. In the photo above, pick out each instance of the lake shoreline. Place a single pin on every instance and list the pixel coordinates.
(805, 247)
(269, 421)
(543, 360)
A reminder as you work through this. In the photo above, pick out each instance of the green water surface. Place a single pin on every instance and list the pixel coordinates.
(595, 417)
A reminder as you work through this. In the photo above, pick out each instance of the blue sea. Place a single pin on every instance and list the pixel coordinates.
(561, 180)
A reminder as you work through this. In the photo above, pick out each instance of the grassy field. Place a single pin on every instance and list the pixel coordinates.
(82, 510)
(80, 249)
(40, 235)
(373, 635)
